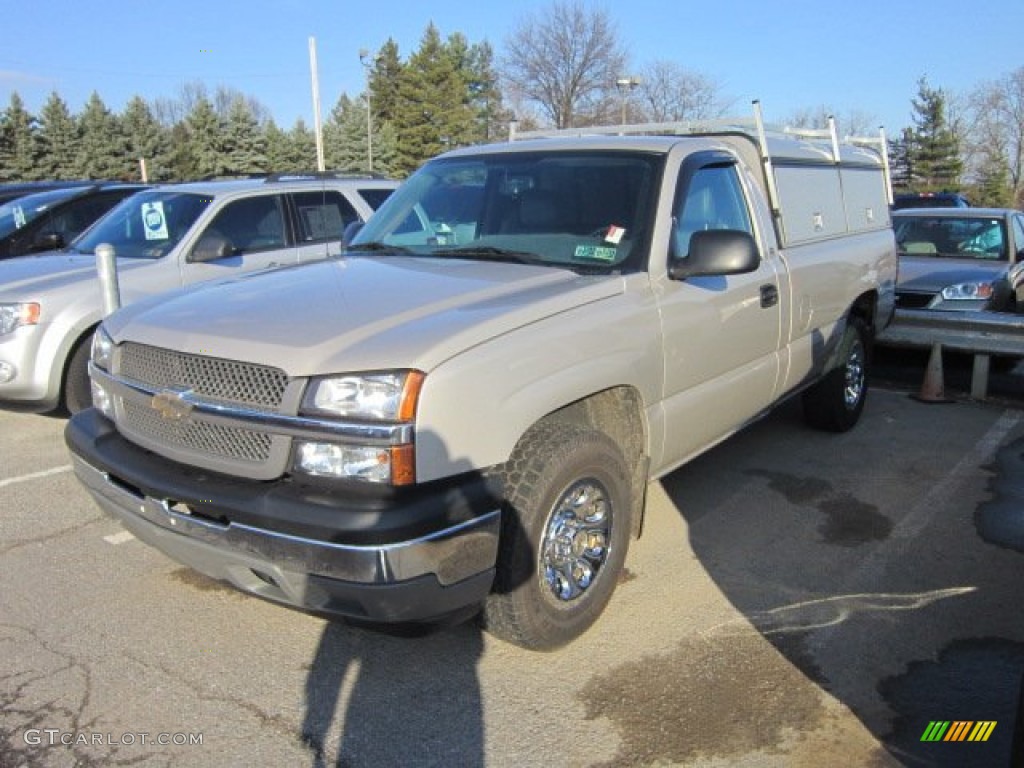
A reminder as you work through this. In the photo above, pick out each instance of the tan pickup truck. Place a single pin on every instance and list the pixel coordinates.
(461, 414)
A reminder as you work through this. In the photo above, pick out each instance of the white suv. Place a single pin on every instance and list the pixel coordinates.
(165, 238)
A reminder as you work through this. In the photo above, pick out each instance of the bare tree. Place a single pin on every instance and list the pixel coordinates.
(856, 122)
(996, 132)
(566, 61)
(669, 92)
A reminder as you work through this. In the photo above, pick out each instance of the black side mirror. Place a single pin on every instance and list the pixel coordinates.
(211, 247)
(717, 252)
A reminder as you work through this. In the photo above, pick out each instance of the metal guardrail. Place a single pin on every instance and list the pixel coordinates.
(982, 334)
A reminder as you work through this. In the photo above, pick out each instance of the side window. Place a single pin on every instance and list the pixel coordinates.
(713, 200)
(374, 197)
(323, 215)
(252, 224)
(1018, 236)
(79, 214)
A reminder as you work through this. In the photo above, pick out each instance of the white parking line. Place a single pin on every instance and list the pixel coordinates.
(34, 476)
(119, 538)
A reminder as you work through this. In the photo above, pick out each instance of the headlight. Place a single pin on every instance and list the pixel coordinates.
(387, 396)
(16, 315)
(393, 465)
(967, 292)
(102, 349)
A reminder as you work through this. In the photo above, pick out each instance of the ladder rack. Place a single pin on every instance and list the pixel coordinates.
(754, 128)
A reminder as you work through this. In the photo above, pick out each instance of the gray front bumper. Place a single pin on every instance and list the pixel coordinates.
(412, 580)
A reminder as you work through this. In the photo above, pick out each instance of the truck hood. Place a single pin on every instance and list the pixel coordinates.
(32, 278)
(932, 274)
(358, 313)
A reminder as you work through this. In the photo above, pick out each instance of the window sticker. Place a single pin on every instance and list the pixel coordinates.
(19, 217)
(595, 253)
(155, 221)
(614, 234)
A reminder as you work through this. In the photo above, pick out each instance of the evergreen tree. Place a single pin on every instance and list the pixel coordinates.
(244, 145)
(302, 147)
(19, 150)
(434, 114)
(102, 149)
(58, 140)
(203, 145)
(277, 148)
(145, 139)
(385, 77)
(899, 159)
(484, 97)
(345, 136)
(934, 151)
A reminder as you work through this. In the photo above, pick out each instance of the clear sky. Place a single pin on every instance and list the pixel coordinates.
(855, 57)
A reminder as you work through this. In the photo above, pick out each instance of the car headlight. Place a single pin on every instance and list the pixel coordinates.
(14, 316)
(968, 292)
(389, 396)
(102, 349)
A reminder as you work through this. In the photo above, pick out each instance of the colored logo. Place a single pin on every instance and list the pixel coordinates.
(958, 730)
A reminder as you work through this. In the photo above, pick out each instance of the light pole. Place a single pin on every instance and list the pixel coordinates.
(625, 85)
(363, 56)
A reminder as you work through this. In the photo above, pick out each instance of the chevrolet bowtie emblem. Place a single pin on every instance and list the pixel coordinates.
(171, 405)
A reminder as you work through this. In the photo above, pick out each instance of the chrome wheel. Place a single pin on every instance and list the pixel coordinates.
(855, 375)
(575, 544)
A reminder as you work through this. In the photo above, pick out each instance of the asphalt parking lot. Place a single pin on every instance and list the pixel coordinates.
(797, 599)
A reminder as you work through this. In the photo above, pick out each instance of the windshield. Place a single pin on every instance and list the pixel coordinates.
(585, 210)
(961, 237)
(18, 212)
(146, 225)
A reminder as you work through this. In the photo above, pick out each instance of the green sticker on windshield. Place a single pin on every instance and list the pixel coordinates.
(595, 252)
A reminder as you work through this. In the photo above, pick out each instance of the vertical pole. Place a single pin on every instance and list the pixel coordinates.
(883, 150)
(142, 170)
(317, 126)
(106, 268)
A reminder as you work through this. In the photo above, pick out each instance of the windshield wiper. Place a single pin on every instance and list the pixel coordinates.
(376, 247)
(490, 252)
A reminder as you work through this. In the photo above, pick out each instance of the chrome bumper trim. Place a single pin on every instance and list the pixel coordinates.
(451, 555)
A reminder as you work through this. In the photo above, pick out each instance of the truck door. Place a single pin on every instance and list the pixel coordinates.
(721, 333)
(244, 236)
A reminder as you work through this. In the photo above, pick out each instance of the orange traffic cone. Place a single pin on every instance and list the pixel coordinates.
(933, 389)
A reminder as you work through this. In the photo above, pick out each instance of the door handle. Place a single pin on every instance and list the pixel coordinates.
(769, 295)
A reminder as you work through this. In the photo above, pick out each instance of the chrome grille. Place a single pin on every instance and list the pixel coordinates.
(259, 386)
(211, 439)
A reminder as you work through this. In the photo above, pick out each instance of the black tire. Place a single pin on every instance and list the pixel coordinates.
(556, 571)
(77, 391)
(835, 403)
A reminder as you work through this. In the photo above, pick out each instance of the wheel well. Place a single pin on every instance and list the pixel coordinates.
(863, 309)
(619, 413)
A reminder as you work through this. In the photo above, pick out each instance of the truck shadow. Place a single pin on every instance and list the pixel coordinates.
(406, 695)
(858, 562)
(377, 699)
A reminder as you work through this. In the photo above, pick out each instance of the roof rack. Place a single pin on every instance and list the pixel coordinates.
(310, 175)
(754, 128)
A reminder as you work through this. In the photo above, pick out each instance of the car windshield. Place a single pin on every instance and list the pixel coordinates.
(961, 237)
(146, 225)
(584, 210)
(16, 213)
